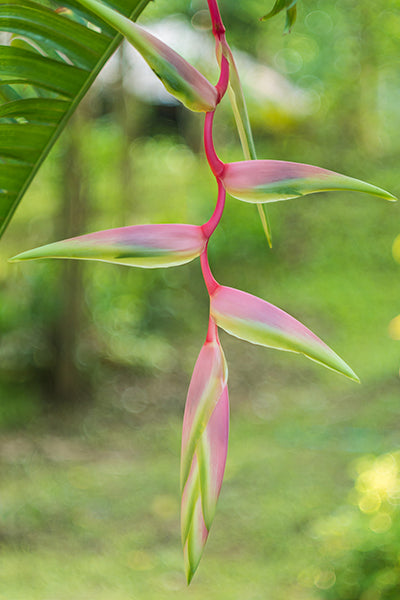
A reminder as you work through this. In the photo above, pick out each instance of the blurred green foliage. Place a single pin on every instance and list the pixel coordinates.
(301, 436)
(360, 540)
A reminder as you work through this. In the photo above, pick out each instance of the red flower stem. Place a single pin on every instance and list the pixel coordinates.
(212, 333)
(216, 165)
(218, 29)
(209, 280)
(223, 80)
(217, 24)
(209, 227)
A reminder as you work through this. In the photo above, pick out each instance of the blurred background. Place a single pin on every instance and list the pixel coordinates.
(95, 359)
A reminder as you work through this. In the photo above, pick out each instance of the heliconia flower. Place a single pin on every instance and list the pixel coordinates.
(255, 320)
(273, 180)
(179, 77)
(204, 448)
(148, 246)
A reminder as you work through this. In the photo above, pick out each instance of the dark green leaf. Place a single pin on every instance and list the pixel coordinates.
(51, 31)
(42, 110)
(291, 15)
(30, 68)
(23, 141)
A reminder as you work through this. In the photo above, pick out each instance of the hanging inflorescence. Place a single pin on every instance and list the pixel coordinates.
(206, 419)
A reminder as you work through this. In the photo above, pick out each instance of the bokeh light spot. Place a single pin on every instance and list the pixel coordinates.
(325, 579)
(380, 523)
(319, 22)
(165, 506)
(396, 249)
(140, 561)
(369, 503)
(394, 328)
(288, 60)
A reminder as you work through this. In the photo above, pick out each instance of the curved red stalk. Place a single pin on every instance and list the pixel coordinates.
(209, 280)
(216, 165)
(212, 333)
(217, 24)
(223, 80)
(209, 227)
(218, 30)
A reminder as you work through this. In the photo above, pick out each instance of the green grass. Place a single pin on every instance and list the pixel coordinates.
(92, 509)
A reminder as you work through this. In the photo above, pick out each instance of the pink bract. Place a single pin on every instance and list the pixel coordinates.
(204, 449)
(255, 320)
(148, 246)
(179, 77)
(274, 180)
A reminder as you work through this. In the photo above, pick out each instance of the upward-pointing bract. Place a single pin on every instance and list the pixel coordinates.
(273, 180)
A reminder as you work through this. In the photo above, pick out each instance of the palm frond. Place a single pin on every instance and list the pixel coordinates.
(51, 52)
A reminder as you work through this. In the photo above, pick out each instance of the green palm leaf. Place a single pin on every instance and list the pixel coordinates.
(51, 53)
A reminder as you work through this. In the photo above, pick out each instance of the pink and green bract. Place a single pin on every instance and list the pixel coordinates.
(274, 180)
(204, 447)
(148, 246)
(206, 419)
(178, 76)
(252, 319)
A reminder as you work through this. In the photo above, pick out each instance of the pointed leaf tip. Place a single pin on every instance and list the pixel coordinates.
(259, 322)
(275, 180)
(148, 246)
(291, 12)
(291, 15)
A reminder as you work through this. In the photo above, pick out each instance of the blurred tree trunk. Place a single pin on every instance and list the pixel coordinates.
(368, 90)
(70, 386)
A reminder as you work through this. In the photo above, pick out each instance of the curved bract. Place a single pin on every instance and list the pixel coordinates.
(274, 180)
(255, 320)
(178, 76)
(148, 246)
